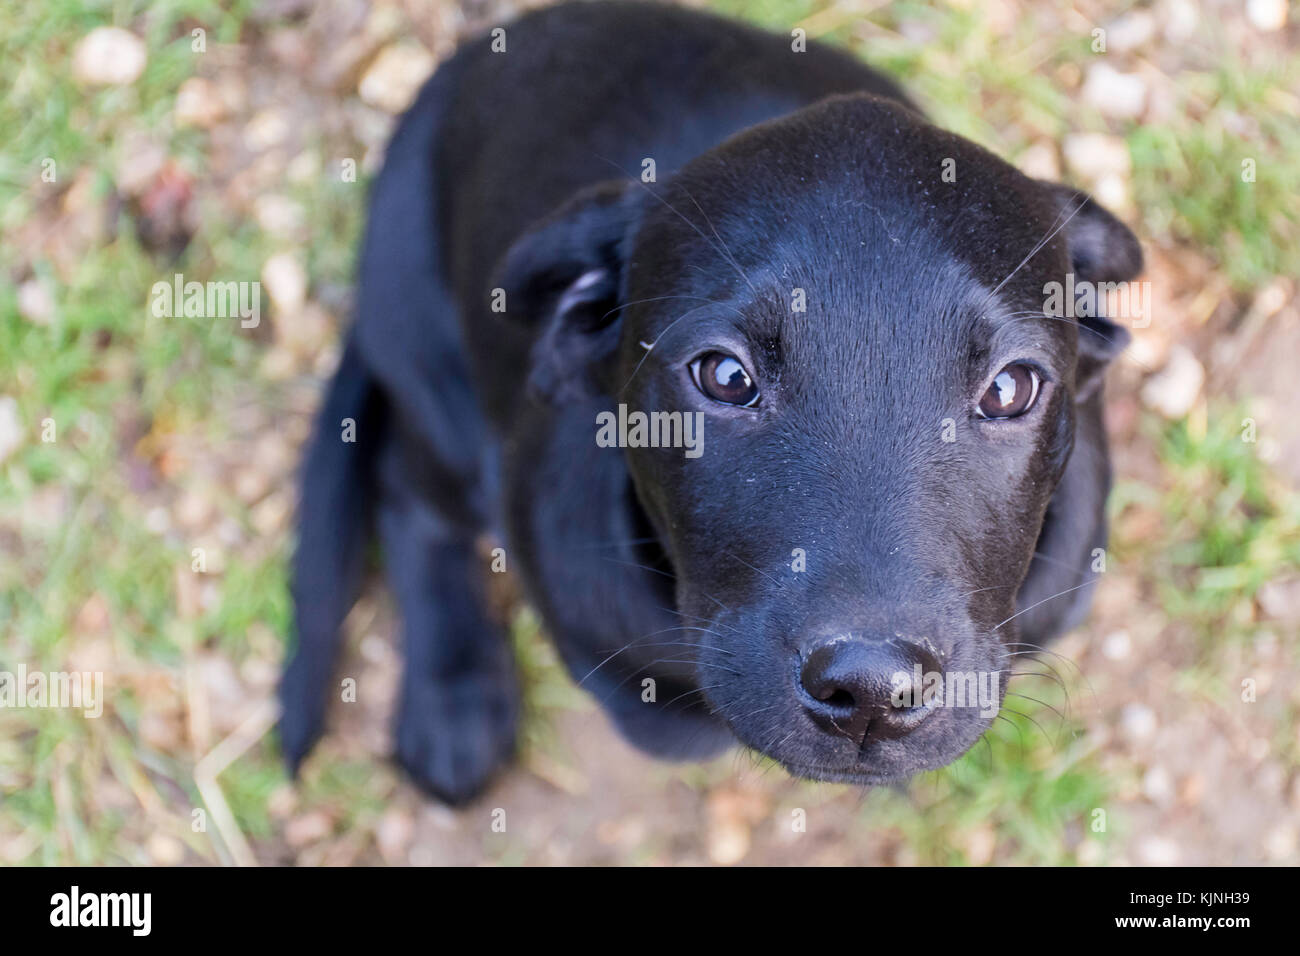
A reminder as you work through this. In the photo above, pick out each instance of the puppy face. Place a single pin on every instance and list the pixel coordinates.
(886, 414)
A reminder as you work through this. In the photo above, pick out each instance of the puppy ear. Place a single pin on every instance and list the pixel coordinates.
(563, 278)
(1102, 249)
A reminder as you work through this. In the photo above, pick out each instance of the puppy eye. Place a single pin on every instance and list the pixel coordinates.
(724, 379)
(1013, 392)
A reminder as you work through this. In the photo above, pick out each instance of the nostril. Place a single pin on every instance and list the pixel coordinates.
(838, 697)
(823, 677)
(864, 689)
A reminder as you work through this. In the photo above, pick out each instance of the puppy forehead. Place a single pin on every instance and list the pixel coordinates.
(867, 287)
(856, 175)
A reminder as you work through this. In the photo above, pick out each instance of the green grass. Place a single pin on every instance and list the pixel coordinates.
(1006, 91)
(1230, 525)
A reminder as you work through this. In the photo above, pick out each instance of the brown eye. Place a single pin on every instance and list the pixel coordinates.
(1012, 393)
(721, 377)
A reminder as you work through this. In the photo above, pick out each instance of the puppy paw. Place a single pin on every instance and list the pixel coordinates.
(453, 735)
(302, 715)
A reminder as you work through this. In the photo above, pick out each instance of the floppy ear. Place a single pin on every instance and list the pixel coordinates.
(1068, 556)
(1102, 249)
(564, 279)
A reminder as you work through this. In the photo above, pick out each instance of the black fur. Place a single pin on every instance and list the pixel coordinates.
(777, 171)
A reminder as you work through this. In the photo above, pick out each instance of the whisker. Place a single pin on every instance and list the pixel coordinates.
(1060, 678)
(615, 544)
(665, 298)
(1045, 600)
(779, 583)
(1054, 677)
(693, 690)
(1042, 703)
(1091, 331)
(658, 338)
(1046, 735)
(1054, 229)
(1036, 649)
(1019, 732)
(696, 617)
(725, 253)
(634, 643)
(755, 712)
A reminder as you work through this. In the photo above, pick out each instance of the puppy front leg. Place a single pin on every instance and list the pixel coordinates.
(458, 715)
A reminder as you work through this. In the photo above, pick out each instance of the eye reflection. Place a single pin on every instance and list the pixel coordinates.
(724, 378)
(1005, 384)
(1013, 392)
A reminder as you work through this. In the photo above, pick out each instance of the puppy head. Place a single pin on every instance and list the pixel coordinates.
(857, 307)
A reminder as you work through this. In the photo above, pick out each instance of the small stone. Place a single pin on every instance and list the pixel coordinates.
(1158, 851)
(94, 616)
(304, 168)
(140, 162)
(1279, 599)
(199, 104)
(157, 520)
(1138, 721)
(11, 427)
(310, 827)
(35, 302)
(159, 731)
(266, 129)
(278, 364)
(272, 514)
(282, 802)
(193, 510)
(1266, 15)
(165, 850)
(109, 56)
(1040, 161)
(1130, 31)
(252, 485)
(286, 281)
(1093, 156)
(1111, 191)
(1174, 389)
(1180, 18)
(1280, 844)
(1089, 853)
(1117, 645)
(303, 332)
(980, 844)
(732, 813)
(1158, 786)
(1115, 94)
(728, 842)
(1270, 299)
(278, 215)
(391, 82)
(393, 836)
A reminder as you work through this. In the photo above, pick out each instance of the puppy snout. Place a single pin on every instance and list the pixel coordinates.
(866, 689)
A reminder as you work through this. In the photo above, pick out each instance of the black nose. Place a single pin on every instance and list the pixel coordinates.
(866, 689)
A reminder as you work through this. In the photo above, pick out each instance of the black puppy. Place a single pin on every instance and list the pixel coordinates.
(886, 445)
